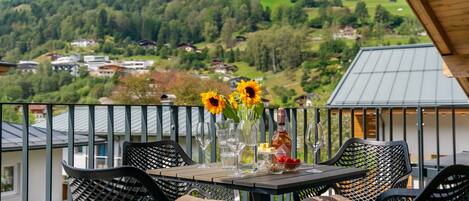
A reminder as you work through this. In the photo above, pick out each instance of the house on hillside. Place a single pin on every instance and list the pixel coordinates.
(156, 131)
(137, 67)
(28, 66)
(108, 70)
(147, 44)
(67, 63)
(219, 66)
(403, 77)
(5, 67)
(347, 32)
(234, 81)
(188, 47)
(306, 100)
(93, 62)
(12, 164)
(83, 43)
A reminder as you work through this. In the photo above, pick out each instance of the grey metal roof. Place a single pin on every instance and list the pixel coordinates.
(408, 75)
(60, 122)
(445, 161)
(12, 137)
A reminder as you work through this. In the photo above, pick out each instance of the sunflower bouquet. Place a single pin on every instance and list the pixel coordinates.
(243, 104)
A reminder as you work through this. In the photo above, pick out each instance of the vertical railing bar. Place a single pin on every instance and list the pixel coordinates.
(189, 131)
(420, 146)
(213, 154)
(262, 127)
(71, 142)
(159, 123)
(340, 127)
(49, 138)
(453, 132)
(404, 127)
(201, 119)
(437, 130)
(71, 134)
(271, 124)
(305, 130)
(329, 133)
(144, 124)
(391, 138)
(377, 116)
(364, 124)
(352, 123)
(25, 154)
(294, 132)
(110, 136)
(91, 133)
(128, 123)
(174, 123)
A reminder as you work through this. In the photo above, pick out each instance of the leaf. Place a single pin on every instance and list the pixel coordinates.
(258, 110)
(230, 113)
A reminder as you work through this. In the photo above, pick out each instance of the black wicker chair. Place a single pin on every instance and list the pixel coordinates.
(121, 183)
(451, 184)
(166, 154)
(388, 166)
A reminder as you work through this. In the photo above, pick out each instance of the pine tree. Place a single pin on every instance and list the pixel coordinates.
(361, 12)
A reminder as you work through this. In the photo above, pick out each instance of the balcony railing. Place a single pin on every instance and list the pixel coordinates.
(374, 123)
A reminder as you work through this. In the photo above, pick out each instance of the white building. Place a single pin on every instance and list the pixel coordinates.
(137, 67)
(67, 63)
(83, 43)
(348, 32)
(11, 166)
(93, 62)
(28, 66)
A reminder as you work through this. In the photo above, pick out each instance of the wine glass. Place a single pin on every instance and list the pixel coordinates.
(236, 142)
(315, 140)
(204, 138)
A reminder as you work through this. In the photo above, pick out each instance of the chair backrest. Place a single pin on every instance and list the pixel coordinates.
(121, 183)
(153, 155)
(451, 184)
(160, 154)
(388, 166)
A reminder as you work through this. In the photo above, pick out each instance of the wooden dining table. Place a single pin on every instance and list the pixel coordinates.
(260, 185)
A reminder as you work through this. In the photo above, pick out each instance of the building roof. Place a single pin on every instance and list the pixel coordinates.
(6, 64)
(408, 75)
(445, 161)
(12, 137)
(60, 121)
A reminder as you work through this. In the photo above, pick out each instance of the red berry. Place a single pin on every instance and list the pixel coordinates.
(290, 160)
(297, 160)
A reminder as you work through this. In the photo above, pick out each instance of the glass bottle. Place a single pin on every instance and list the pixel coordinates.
(281, 140)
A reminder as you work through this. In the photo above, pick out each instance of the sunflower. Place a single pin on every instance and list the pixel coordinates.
(233, 101)
(249, 92)
(213, 102)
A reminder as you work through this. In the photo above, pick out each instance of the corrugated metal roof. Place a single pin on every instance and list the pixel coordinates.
(12, 137)
(60, 122)
(408, 75)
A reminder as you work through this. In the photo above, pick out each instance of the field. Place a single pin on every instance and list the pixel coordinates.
(400, 7)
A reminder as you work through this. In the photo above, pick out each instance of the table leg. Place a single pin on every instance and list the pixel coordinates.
(260, 197)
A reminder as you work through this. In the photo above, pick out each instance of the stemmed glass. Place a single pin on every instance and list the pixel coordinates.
(236, 142)
(204, 138)
(315, 140)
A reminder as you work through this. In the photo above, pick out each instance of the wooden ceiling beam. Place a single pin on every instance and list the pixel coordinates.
(433, 27)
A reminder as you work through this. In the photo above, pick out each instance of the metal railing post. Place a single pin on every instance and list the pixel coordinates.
(391, 138)
(144, 124)
(294, 132)
(404, 125)
(25, 155)
(213, 154)
(91, 133)
(364, 125)
(49, 138)
(340, 127)
(271, 124)
(420, 146)
(174, 123)
(201, 119)
(377, 116)
(110, 136)
(453, 132)
(128, 123)
(437, 130)
(352, 123)
(189, 131)
(159, 123)
(305, 134)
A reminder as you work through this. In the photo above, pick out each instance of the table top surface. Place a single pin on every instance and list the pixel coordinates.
(260, 182)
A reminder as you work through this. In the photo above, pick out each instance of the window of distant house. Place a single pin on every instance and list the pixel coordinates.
(8, 179)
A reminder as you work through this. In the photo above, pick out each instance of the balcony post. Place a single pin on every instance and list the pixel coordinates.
(25, 155)
(144, 124)
(91, 133)
(110, 136)
(420, 146)
(128, 123)
(49, 152)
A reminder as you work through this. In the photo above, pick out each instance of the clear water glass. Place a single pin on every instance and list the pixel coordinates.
(228, 158)
(203, 138)
(236, 142)
(315, 140)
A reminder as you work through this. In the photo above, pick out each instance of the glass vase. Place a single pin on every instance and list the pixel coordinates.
(248, 159)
